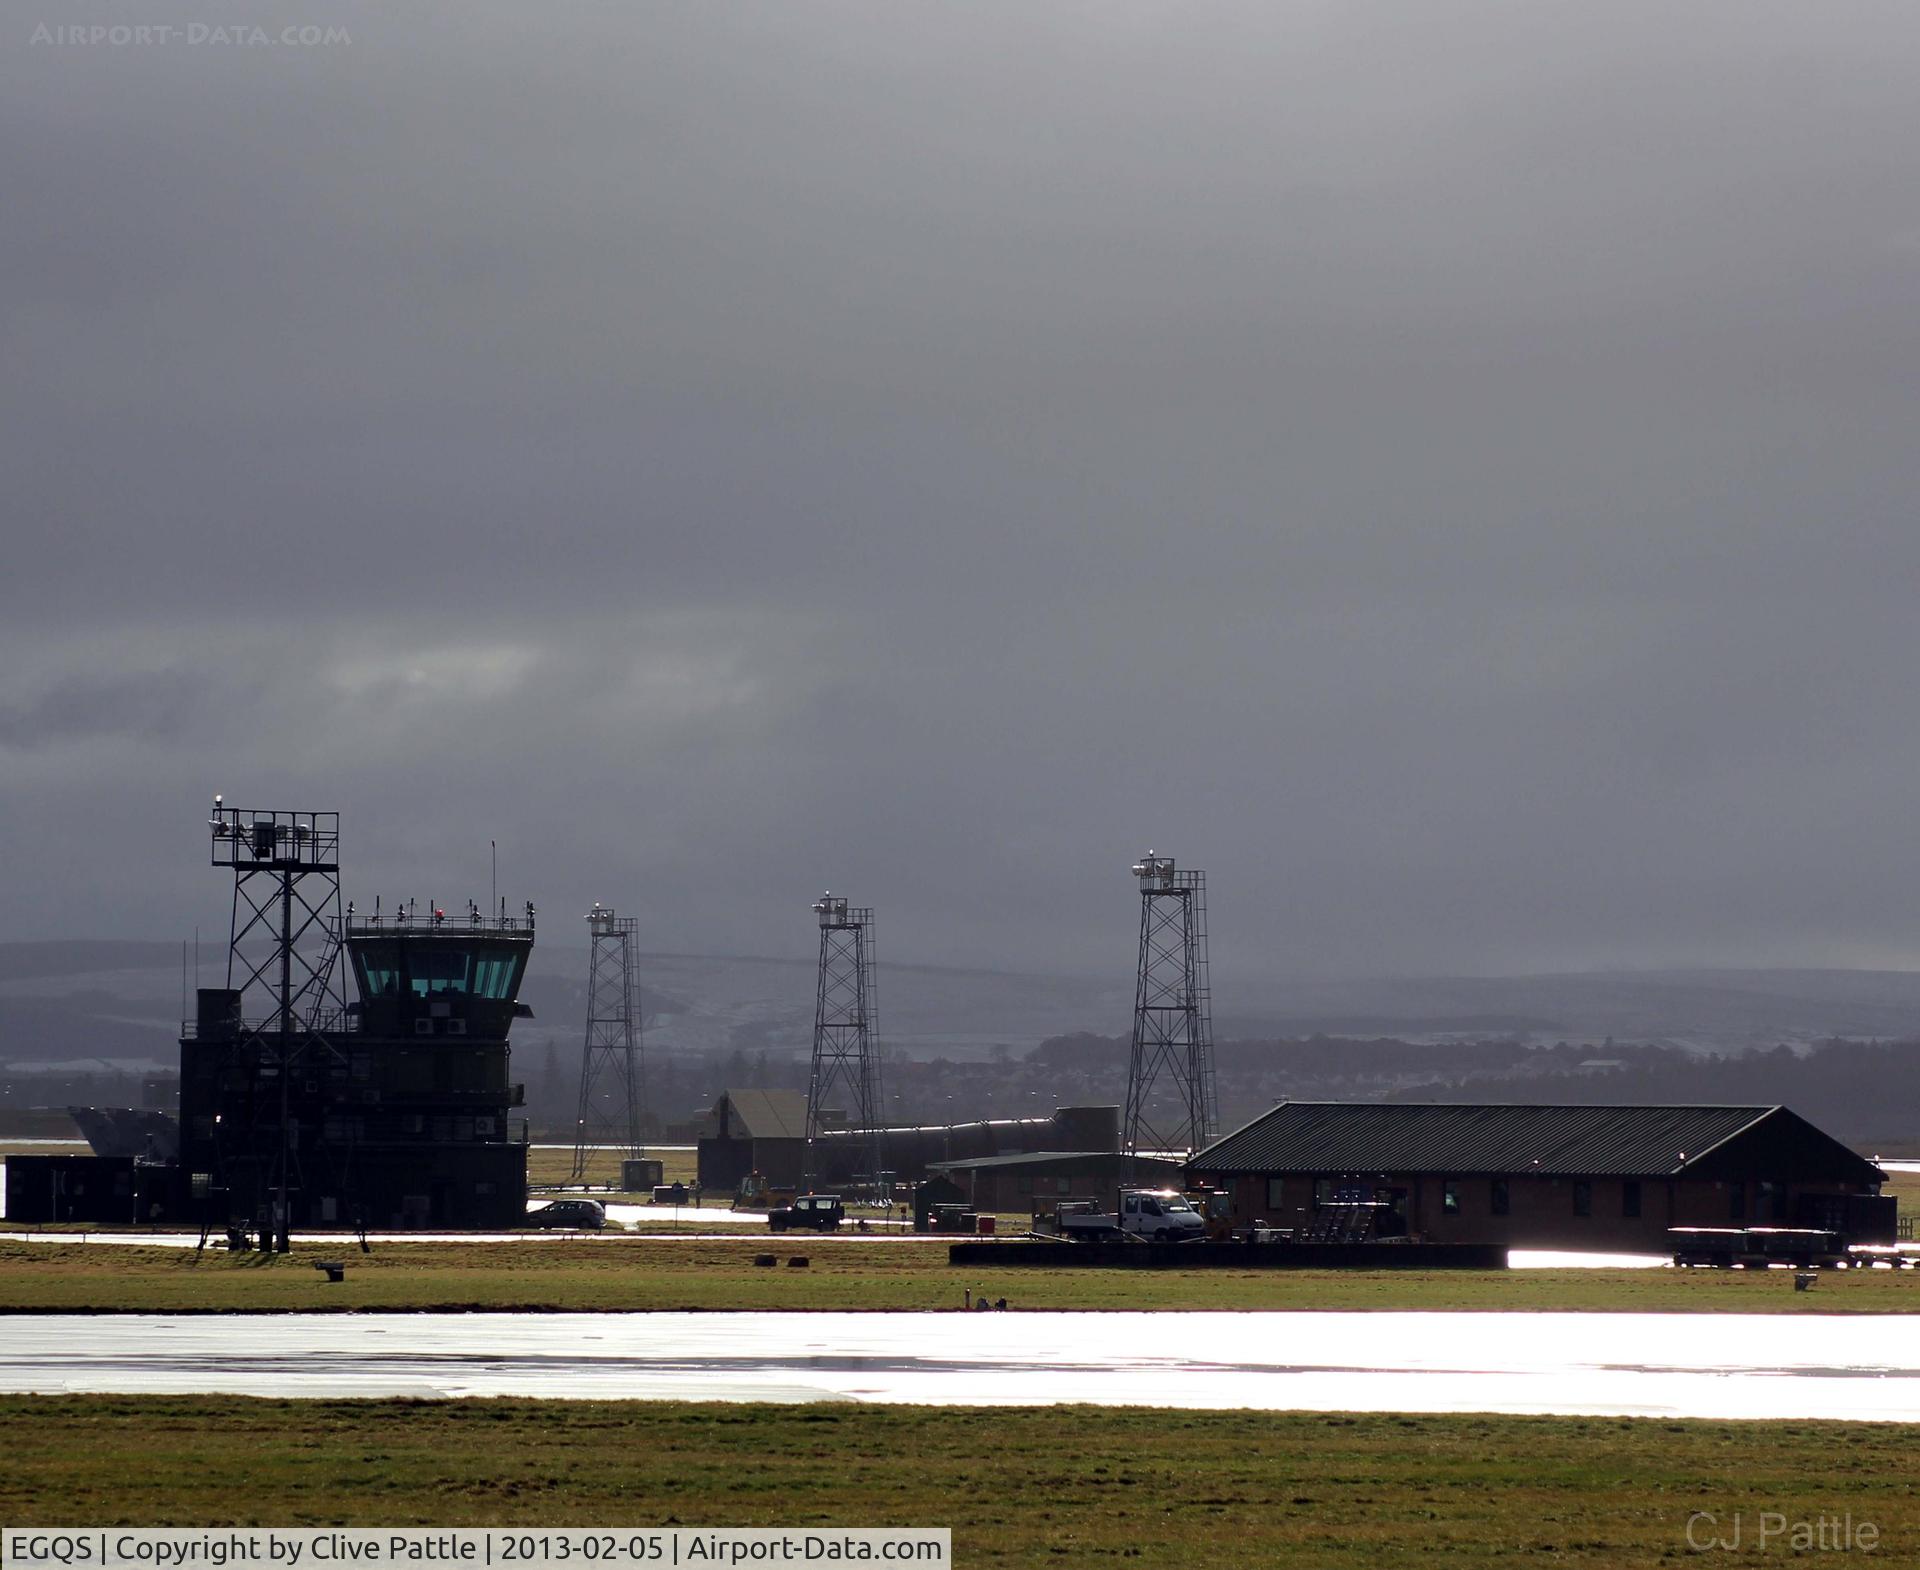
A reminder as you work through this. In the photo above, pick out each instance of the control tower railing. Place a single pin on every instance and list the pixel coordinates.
(408, 917)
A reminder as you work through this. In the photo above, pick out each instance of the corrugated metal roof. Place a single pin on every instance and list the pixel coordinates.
(1342, 1136)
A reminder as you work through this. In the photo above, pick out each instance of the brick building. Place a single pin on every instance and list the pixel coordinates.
(1600, 1178)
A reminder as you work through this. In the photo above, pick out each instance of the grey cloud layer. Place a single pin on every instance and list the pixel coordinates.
(1446, 469)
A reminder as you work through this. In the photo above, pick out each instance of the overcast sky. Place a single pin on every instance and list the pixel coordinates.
(1448, 470)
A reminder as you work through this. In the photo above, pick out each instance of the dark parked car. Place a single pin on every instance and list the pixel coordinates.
(814, 1212)
(586, 1215)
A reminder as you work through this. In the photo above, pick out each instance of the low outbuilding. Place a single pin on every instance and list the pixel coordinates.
(746, 1131)
(1012, 1183)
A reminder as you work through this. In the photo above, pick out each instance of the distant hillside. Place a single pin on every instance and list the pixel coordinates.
(717, 1004)
(76, 999)
(63, 1001)
(1701, 1010)
(81, 957)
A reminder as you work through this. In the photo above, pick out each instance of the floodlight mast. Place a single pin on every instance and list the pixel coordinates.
(612, 1068)
(846, 1043)
(1171, 1105)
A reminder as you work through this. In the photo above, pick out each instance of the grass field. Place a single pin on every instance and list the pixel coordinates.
(603, 1167)
(630, 1273)
(1018, 1487)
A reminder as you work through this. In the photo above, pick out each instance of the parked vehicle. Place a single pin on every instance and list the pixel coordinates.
(810, 1212)
(585, 1215)
(1215, 1209)
(1805, 1248)
(1158, 1215)
(756, 1193)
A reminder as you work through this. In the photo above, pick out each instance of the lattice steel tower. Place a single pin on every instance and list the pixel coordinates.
(283, 991)
(846, 1043)
(612, 1074)
(1170, 1095)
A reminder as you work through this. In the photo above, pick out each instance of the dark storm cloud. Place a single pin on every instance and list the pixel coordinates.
(1447, 470)
(141, 707)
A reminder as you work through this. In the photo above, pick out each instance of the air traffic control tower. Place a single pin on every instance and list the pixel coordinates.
(394, 1110)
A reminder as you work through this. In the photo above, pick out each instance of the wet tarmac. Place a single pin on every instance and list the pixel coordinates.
(731, 1222)
(1649, 1365)
(351, 1240)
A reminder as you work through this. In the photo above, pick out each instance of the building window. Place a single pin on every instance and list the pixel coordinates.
(1276, 1187)
(378, 965)
(1629, 1198)
(1736, 1202)
(1450, 1198)
(439, 972)
(1582, 1197)
(1497, 1197)
(1770, 1201)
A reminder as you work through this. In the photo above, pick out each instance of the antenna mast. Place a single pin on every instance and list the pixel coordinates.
(612, 1072)
(846, 1043)
(1170, 1092)
(284, 942)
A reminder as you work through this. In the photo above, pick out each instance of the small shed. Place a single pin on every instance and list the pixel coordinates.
(116, 1190)
(745, 1131)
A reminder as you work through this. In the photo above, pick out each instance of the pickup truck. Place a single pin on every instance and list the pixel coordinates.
(809, 1213)
(1160, 1215)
